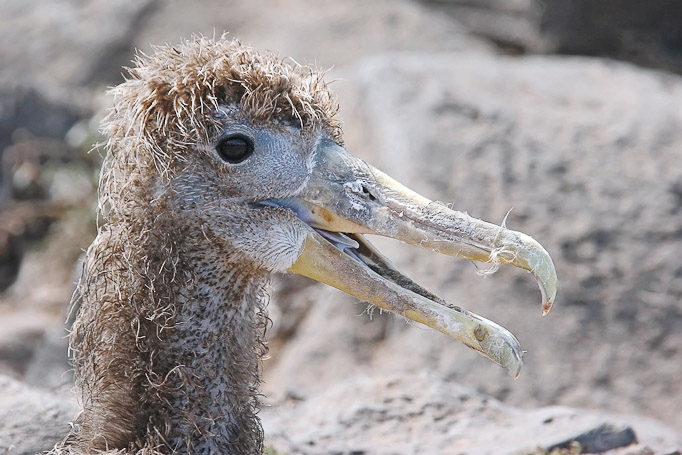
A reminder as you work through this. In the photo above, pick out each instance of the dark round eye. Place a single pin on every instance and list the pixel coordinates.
(235, 149)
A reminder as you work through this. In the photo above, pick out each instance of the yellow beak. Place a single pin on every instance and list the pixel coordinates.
(346, 198)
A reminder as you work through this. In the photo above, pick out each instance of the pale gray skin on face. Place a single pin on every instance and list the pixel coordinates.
(225, 195)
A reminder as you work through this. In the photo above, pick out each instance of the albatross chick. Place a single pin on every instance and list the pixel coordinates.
(225, 165)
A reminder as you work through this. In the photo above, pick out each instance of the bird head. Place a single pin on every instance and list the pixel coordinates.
(247, 146)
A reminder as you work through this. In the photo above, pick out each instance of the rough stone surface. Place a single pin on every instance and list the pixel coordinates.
(33, 420)
(327, 33)
(646, 33)
(423, 414)
(66, 43)
(514, 26)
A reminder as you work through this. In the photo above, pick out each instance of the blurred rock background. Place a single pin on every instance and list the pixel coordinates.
(567, 111)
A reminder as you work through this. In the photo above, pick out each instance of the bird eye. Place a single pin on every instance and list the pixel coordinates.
(234, 149)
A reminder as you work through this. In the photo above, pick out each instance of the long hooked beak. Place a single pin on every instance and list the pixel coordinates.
(345, 198)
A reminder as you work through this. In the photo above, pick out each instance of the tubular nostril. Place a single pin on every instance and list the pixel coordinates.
(368, 193)
(360, 189)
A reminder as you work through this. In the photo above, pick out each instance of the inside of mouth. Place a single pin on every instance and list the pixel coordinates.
(340, 240)
(358, 248)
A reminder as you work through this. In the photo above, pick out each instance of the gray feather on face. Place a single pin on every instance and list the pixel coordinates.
(224, 196)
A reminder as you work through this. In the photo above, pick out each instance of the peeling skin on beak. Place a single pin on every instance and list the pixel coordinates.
(322, 261)
(346, 198)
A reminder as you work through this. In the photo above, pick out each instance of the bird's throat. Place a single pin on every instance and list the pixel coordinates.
(212, 360)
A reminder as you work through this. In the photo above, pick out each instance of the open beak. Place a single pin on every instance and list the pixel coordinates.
(346, 198)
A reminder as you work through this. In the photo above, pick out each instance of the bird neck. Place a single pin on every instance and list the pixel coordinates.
(167, 345)
(214, 353)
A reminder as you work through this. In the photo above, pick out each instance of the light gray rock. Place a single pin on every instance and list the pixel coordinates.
(65, 43)
(513, 25)
(326, 33)
(588, 153)
(423, 414)
(32, 420)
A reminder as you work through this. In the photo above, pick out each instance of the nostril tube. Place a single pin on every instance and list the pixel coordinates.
(366, 191)
(360, 189)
